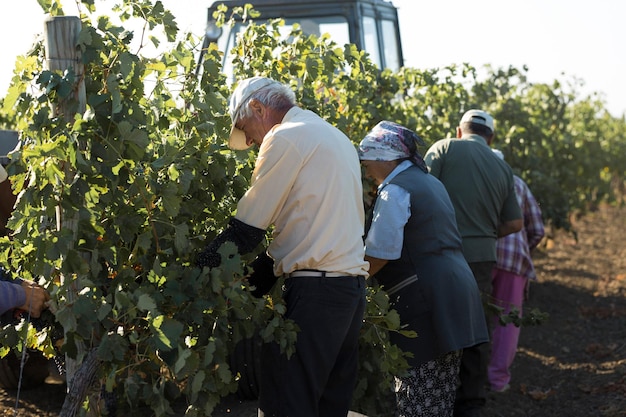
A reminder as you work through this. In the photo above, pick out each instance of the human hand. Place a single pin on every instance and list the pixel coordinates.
(36, 299)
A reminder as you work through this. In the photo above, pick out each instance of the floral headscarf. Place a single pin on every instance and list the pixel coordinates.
(389, 141)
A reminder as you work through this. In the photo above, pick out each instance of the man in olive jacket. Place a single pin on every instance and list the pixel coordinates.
(482, 191)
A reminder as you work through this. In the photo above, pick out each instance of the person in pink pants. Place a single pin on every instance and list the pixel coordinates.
(513, 272)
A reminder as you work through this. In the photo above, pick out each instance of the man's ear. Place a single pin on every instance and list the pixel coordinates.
(257, 107)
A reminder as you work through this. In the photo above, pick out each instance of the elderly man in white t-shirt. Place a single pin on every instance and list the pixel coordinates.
(307, 184)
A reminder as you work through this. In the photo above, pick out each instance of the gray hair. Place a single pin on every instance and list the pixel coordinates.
(276, 96)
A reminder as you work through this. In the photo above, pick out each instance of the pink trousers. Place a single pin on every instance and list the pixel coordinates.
(507, 291)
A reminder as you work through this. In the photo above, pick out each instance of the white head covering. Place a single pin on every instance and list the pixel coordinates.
(479, 117)
(389, 141)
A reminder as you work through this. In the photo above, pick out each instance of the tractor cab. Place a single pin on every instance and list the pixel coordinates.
(372, 25)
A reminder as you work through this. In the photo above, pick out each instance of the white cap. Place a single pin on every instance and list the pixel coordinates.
(479, 117)
(242, 93)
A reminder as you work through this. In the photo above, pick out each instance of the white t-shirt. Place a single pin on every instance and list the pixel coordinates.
(307, 183)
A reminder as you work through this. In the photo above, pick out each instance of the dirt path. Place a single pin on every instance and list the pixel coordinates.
(572, 366)
(575, 364)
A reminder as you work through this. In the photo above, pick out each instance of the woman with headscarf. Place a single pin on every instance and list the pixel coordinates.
(414, 250)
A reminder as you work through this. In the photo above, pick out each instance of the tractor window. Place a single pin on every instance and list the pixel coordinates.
(225, 43)
(335, 26)
(370, 37)
(392, 57)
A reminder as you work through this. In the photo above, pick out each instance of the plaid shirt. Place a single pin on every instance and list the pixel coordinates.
(514, 250)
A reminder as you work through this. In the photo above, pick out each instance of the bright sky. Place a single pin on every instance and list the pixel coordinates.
(556, 39)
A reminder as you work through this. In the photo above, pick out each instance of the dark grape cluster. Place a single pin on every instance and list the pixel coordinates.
(110, 401)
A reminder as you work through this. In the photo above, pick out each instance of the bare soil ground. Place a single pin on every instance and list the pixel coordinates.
(574, 365)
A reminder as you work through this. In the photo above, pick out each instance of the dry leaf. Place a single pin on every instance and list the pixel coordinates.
(540, 395)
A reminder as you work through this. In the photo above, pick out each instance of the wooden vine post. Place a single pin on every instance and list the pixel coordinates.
(62, 54)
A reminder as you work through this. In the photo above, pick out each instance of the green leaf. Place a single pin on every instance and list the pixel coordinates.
(113, 347)
(166, 332)
(198, 381)
(103, 311)
(181, 241)
(146, 303)
(224, 374)
(181, 360)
